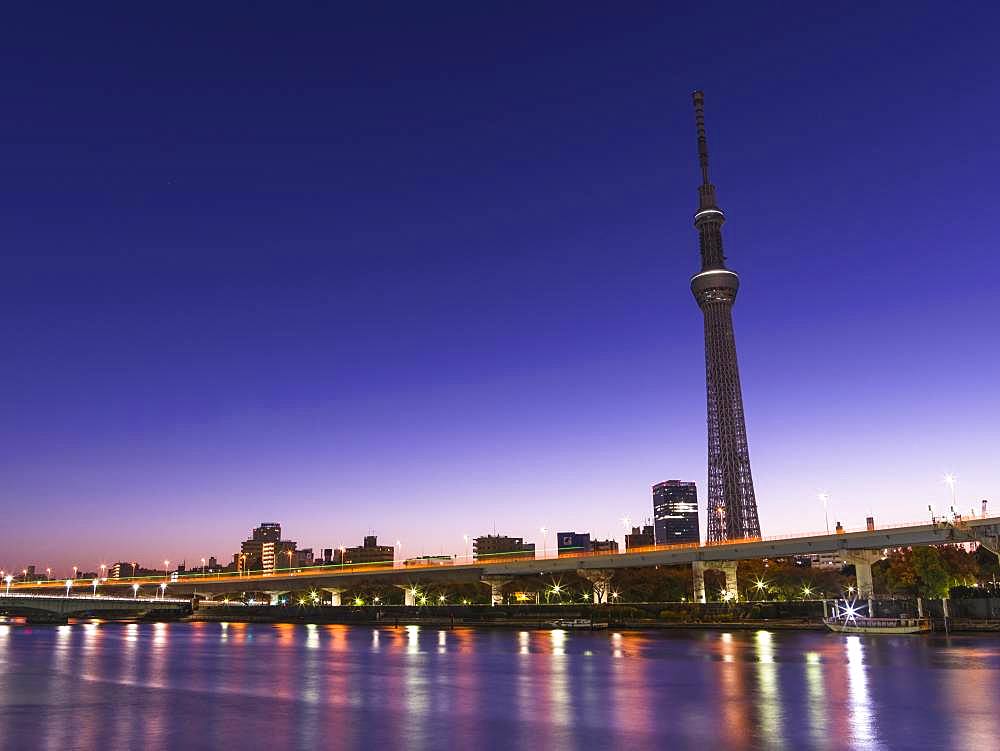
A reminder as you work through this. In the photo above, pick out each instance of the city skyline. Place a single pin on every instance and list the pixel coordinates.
(290, 307)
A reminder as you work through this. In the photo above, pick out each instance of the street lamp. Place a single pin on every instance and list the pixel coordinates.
(806, 591)
(545, 544)
(825, 497)
(951, 481)
(289, 553)
(74, 572)
(163, 590)
(94, 583)
(466, 538)
(48, 573)
(69, 583)
(135, 591)
(7, 580)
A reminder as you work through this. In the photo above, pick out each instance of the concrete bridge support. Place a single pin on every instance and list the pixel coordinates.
(601, 579)
(496, 585)
(698, 569)
(275, 596)
(862, 561)
(335, 593)
(409, 594)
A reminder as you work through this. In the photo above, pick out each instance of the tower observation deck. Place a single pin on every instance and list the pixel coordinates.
(732, 506)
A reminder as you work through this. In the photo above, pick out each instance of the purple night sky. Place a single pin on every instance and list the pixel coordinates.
(424, 270)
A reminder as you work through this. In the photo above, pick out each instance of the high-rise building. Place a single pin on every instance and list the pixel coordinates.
(675, 512)
(265, 550)
(603, 546)
(641, 537)
(369, 552)
(732, 506)
(501, 547)
(573, 543)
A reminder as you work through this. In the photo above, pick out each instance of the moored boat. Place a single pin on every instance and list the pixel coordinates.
(859, 624)
(576, 623)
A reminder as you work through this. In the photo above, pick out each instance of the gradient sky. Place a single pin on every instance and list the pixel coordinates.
(423, 268)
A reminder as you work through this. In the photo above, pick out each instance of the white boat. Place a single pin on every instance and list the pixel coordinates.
(860, 624)
(576, 623)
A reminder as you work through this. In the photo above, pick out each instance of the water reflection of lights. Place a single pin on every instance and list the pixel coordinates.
(412, 640)
(767, 682)
(857, 684)
(312, 636)
(442, 642)
(616, 645)
(816, 697)
(558, 638)
(375, 643)
(523, 639)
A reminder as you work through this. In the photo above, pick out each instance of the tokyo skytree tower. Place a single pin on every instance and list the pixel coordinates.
(732, 507)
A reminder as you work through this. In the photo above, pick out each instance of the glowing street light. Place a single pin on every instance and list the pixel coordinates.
(163, 590)
(441, 598)
(135, 591)
(74, 572)
(850, 589)
(69, 583)
(376, 600)
(48, 573)
(94, 583)
(7, 580)
(806, 591)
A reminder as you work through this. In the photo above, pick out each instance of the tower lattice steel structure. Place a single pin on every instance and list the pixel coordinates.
(732, 507)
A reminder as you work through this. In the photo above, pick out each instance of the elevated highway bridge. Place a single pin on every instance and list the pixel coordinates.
(54, 608)
(860, 548)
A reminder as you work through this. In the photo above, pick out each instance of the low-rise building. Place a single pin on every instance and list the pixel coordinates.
(501, 547)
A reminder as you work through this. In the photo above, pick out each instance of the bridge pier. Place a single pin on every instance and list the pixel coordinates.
(698, 569)
(496, 584)
(409, 594)
(335, 593)
(601, 579)
(275, 596)
(862, 561)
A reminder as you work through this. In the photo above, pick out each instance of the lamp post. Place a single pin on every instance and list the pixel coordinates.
(466, 538)
(545, 544)
(824, 497)
(289, 553)
(203, 569)
(7, 580)
(163, 590)
(69, 583)
(48, 574)
(94, 583)
(74, 571)
(952, 482)
(135, 591)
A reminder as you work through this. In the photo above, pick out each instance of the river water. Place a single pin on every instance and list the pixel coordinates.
(212, 685)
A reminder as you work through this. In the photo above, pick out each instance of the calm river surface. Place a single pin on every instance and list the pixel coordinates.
(211, 685)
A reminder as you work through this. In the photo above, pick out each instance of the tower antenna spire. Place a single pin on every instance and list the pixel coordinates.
(706, 191)
(699, 118)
